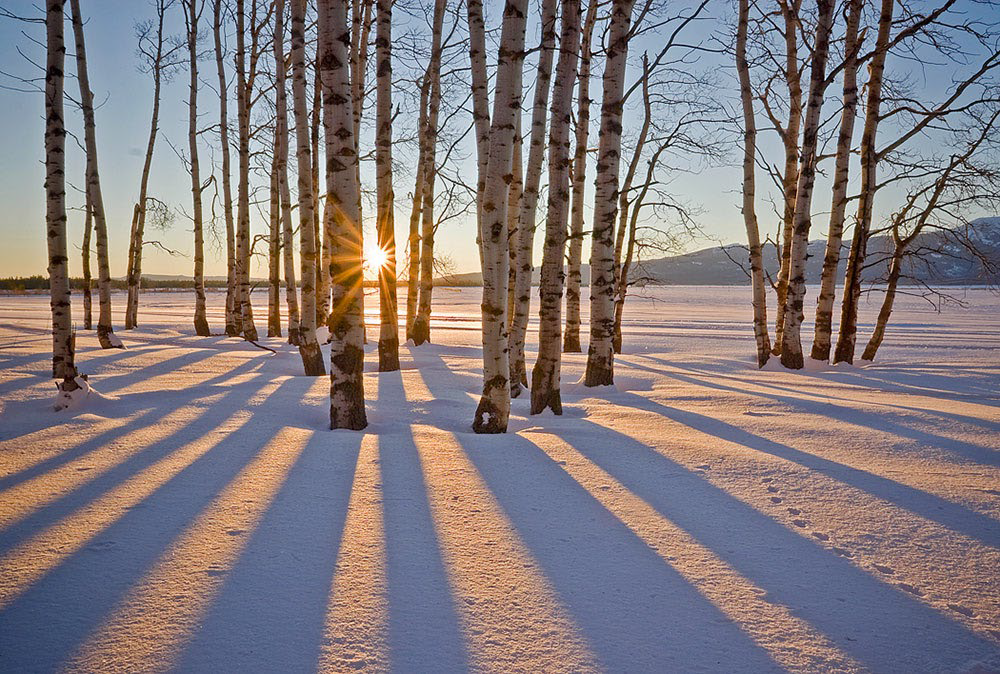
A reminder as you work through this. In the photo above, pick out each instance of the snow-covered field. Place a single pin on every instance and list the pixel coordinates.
(195, 514)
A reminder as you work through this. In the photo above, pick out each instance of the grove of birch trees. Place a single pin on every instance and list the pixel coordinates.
(486, 111)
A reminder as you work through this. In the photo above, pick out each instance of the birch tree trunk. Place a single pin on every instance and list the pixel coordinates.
(422, 322)
(244, 92)
(281, 159)
(480, 107)
(233, 322)
(274, 246)
(529, 201)
(324, 245)
(759, 290)
(885, 311)
(790, 139)
(88, 282)
(600, 355)
(94, 195)
(134, 271)
(835, 235)
(516, 192)
(847, 334)
(791, 340)
(493, 410)
(545, 375)
(571, 339)
(312, 356)
(63, 356)
(192, 14)
(416, 209)
(388, 338)
(347, 355)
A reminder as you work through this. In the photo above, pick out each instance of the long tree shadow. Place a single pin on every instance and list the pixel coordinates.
(602, 570)
(73, 598)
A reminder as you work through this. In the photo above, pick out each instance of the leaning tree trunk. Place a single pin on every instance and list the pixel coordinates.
(421, 331)
(88, 282)
(600, 355)
(191, 14)
(571, 339)
(95, 197)
(388, 337)
(493, 410)
(243, 96)
(347, 355)
(233, 322)
(791, 339)
(63, 360)
(895, 271)
(312, 356)
(847, 335)
(835, 235)
(759, 290)
(790, 176)
(529, 202)
(546, 373)
(281, 159)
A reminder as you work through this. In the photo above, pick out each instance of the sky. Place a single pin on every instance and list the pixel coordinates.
(124, 95)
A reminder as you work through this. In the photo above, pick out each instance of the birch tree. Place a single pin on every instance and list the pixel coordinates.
(759, 292)
(88, 281)
(275, 233)
(342, 221)
(63, 338)
(416, 210)
(791, 341)
(571, 339)
(94, 195)
(192, 15)
(600, 356)
(545, 376)
(245, 80)
(421, 329)
(388, 340)
(529, 200)
(493, 411)
(233, 315)
(312, 356)
(838, 209)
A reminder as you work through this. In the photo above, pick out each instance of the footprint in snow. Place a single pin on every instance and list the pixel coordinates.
(773, 490)
(776, 499)
(843, 553)
(821, 536)
(765, 480)
(799, 523)
(958, 608)
(794, 511)
(888, 570)
(912, 590)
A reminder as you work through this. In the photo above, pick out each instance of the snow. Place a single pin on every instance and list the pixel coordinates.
(194, 514)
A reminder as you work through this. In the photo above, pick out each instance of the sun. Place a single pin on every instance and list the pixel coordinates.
(375, 257)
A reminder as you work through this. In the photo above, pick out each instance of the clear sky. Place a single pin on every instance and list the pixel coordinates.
(123, 126)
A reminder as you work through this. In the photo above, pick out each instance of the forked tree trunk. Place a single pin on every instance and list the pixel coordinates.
(421, 331)
(281, 159)
(94, 195)
(192, 14)
(545, 375)
(244, 91)
(88, 282)
(63, 356)
(571, 339)
(233, 322)
(600, 355)
(312, 356)
(493, 411)
(790, 139)
(388, 337)
(847, 335)
(529, 201)
(841, 171)
(791, 339)
(347, 355)
(134, 270)
(759, 290)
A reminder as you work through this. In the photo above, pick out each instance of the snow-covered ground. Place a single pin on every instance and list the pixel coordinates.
(195, 514)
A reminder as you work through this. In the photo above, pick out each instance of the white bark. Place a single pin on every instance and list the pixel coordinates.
(600, 356)
(529, 201)
(493, 410)
(480, 106)
(545, 375)
(416, 209)
(342, 222)
(244, 93)
(312, 356)
(232, 316)
(63, 360)
(95, 197)
(281, 161)
(791, 341)
(571, 340)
